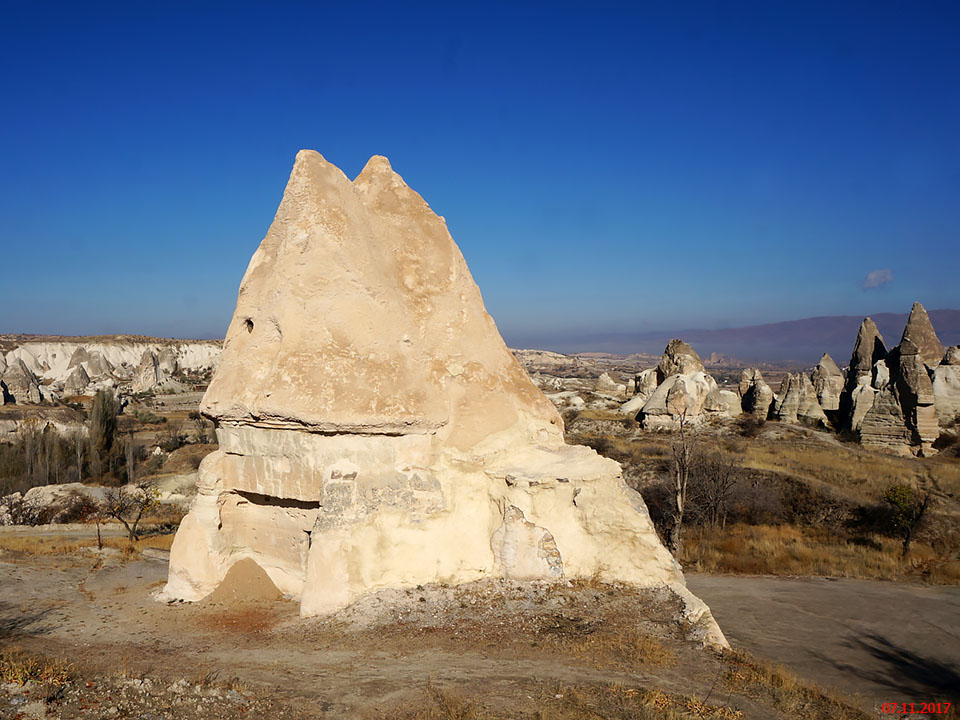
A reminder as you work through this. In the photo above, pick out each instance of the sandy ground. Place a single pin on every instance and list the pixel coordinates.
(890, 642)
(514, 647)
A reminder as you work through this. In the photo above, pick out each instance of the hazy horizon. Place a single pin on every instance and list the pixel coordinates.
(612, 171)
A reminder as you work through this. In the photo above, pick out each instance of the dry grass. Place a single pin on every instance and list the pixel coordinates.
(38, 546)
(791, 550)
(20, 668)
(567, 702)
(757, 679)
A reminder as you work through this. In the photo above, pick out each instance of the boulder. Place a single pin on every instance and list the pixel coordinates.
(375, 431)
(756, 397)
(919, 331)
(22, 385)
(828, 382)
(678, 359)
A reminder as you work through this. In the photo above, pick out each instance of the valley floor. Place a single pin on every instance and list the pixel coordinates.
(478, 651)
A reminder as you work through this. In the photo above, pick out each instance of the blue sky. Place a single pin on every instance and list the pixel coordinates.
(602, 167)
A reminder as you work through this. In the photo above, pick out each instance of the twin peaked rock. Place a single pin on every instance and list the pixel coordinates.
(376, 432)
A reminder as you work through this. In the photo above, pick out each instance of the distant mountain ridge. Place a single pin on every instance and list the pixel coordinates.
(800, 342)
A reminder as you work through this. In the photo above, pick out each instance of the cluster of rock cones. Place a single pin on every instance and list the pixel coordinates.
(898, 400)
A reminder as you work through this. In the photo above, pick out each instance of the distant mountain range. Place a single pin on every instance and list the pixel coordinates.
(794, 342)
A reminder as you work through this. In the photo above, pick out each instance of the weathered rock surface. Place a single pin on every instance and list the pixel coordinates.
(901, 403)
(919, 331)
(946, 387)
(828, 382)
(797, 401)
(22, 385)
(756, 397)
(376, 432)
(884, 426)
(148, 376)
(76, 381)
(867, 351)
(108, 361)
(678, 358)
(607, 386)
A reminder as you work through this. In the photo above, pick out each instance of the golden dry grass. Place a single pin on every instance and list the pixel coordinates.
(18, 667)
(796, 698)
(791, 550)
(569, 702)
(36, 546)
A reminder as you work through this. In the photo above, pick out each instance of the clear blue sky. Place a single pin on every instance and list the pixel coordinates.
(602, 167)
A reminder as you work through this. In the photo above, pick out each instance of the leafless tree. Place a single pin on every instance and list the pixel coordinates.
(129, 503)
(714, 478)
(682, 449)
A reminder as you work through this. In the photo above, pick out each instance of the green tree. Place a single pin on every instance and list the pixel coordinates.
(907, 508)
(103, 431)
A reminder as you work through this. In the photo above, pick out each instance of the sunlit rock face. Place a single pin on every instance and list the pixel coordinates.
(376, 432)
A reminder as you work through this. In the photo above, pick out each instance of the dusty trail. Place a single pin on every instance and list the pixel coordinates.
(889, 642)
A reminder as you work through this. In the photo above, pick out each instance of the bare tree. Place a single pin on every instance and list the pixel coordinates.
(714, 478)
(129, 503)
(682, 451)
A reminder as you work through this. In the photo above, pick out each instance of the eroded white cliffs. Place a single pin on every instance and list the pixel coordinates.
(376, 432)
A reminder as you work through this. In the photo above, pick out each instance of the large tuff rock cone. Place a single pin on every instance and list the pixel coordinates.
(376, 432)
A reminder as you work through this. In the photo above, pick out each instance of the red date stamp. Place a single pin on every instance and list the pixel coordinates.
(915, 708)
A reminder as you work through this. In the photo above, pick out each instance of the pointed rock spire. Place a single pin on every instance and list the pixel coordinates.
(920, 332)
(868, 349)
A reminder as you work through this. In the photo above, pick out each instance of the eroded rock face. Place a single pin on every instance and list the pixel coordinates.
(76, 381)
(22, 385)
(797, 402)
(828, 382)
(946, 387)
(148, 376)
(919, 331)
(678, 358)
(867, 351)
(376, 432)
(756, 397)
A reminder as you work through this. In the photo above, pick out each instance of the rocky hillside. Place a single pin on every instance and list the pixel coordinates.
(36, 368)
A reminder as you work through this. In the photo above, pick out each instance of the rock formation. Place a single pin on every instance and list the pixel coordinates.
(148, 376)
(828, 382)
(22, 385)
(756, 397)
(919, 331)
(894, 405)
(946, 387)
(76, 381)
(797, 401)
(684, 389)
(678, 358)
(167, 361)
(607, 386)
(376, 432)
(867, 352)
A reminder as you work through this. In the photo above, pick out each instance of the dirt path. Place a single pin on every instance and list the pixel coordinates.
(889, 642)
